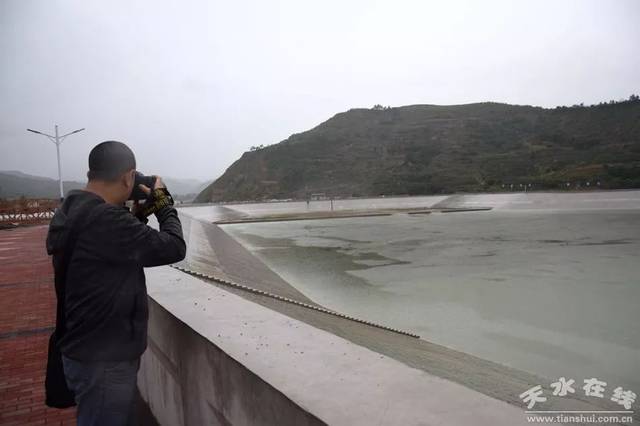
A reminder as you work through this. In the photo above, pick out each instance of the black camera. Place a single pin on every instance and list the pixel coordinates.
(148, 181)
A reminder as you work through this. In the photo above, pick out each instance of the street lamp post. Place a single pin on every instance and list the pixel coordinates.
(57, 140)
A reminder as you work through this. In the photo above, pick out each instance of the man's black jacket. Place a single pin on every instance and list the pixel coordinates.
(106, 295)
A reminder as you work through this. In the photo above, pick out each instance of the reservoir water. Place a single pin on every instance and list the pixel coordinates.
(553, 292)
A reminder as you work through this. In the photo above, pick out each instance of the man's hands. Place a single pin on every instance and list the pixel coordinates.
(157, 198)
(157, 184)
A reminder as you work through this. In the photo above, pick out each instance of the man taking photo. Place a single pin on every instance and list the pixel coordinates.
(99, 251)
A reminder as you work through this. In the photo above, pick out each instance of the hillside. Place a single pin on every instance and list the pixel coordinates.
(427, 149)
(15, 184)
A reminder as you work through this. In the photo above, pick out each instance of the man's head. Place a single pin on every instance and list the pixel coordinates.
(112, 168)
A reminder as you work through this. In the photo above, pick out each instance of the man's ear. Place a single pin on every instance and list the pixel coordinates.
(128, 178)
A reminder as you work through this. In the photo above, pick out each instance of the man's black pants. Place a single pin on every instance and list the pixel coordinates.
(105, 391)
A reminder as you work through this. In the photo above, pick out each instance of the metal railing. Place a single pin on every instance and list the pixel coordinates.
(24, 211)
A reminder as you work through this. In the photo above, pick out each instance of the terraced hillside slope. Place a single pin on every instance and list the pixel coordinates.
(430, 149)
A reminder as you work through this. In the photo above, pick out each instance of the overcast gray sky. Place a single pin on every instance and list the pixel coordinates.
(190, 85)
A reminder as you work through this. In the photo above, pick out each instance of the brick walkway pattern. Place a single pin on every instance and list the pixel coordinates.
(27, 316)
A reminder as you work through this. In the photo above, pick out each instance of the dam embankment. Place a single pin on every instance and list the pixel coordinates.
(304, 356)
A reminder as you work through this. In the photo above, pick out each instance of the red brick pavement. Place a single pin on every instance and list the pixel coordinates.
(27, 315)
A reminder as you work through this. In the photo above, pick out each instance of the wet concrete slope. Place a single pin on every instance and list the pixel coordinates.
(622, 199)
(212, 251)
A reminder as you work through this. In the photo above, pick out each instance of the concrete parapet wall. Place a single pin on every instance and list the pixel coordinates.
(187, 380)
(215, 358)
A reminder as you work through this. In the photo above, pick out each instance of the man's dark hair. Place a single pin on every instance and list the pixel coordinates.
(108, 160)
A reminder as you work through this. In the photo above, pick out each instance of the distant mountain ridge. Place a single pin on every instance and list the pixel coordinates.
(15, 184)
(430, 149)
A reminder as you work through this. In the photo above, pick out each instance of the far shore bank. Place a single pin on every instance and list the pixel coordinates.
(400, 196)
(274, 211)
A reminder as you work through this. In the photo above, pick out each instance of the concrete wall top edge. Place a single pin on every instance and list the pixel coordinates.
(328, 376)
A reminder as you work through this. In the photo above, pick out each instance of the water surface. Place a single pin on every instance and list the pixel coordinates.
(551, 292)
